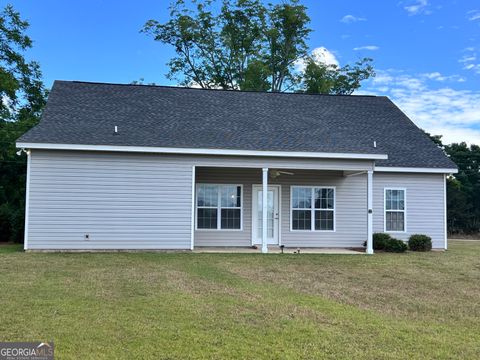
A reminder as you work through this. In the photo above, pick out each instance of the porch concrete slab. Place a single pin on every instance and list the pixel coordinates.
(276, 250)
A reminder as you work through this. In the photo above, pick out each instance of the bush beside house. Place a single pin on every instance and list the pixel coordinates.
(383, 241)
(380, 240)
(416, 242)
(395, 245)
(420, 242)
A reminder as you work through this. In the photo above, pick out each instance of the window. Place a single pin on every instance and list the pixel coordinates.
(312, 208)
(395, 210)
(219, 207)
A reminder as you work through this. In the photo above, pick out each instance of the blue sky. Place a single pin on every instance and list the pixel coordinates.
(426, 52)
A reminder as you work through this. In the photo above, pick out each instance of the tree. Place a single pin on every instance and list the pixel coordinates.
(463, 188)
(23, 96)
(212, 51)
(21, 88)
(320, 78)
(248, 46)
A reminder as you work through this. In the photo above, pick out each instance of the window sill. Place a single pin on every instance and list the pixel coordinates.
(217, 230)
(313, 231)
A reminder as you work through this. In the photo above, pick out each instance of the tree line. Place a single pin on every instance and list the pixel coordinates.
(22, 98)
(463, 190)
(232, 45)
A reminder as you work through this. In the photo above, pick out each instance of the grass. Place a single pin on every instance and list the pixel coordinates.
(218, 306)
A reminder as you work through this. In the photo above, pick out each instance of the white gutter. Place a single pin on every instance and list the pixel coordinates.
(416, 170)
(27, 201)
(168, 150)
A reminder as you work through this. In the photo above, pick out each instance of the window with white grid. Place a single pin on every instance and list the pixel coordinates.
(395, 210)
(312, 208)
(219, 207)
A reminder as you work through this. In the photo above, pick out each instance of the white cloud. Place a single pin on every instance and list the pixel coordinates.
(347, 19)
(456, 135)
(434, 76)
(439, 77)
(367, 47)
(469, 60)
(320, 55)
(473, 15)
(323, 55)
(417, 7)
(455, 114)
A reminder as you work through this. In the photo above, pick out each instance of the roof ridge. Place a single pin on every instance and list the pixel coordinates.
(218, 90)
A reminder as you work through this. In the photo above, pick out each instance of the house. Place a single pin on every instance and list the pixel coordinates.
(115, 166)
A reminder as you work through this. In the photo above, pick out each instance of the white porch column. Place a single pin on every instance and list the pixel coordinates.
(264, 209)
(445, 176)
(370, 212)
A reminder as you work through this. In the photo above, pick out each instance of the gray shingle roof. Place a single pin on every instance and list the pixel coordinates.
(86, 113)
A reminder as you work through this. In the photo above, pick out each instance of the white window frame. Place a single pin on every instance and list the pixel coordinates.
(219, 207)
(404, 210)
(312, 207)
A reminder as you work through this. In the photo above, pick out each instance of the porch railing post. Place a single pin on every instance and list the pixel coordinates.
(264, 209)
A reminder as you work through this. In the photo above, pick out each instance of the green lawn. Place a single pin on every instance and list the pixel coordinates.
(218, 306)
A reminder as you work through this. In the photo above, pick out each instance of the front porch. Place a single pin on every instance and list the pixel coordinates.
(314, 210)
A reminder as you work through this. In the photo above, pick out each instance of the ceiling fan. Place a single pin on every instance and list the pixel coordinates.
(276, 173)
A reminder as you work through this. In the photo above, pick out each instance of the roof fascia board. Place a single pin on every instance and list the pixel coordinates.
(192, 151)
(416, 170)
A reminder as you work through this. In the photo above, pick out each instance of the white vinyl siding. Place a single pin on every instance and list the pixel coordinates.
(121, 201)
(424, 203)
(146, 201)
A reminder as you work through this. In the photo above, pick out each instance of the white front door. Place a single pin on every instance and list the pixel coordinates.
(273, 214)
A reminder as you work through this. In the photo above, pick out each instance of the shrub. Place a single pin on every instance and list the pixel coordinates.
(379, 240)
(420, 242)
(395, 246)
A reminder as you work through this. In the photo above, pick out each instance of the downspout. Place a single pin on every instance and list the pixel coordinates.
(27, 199)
